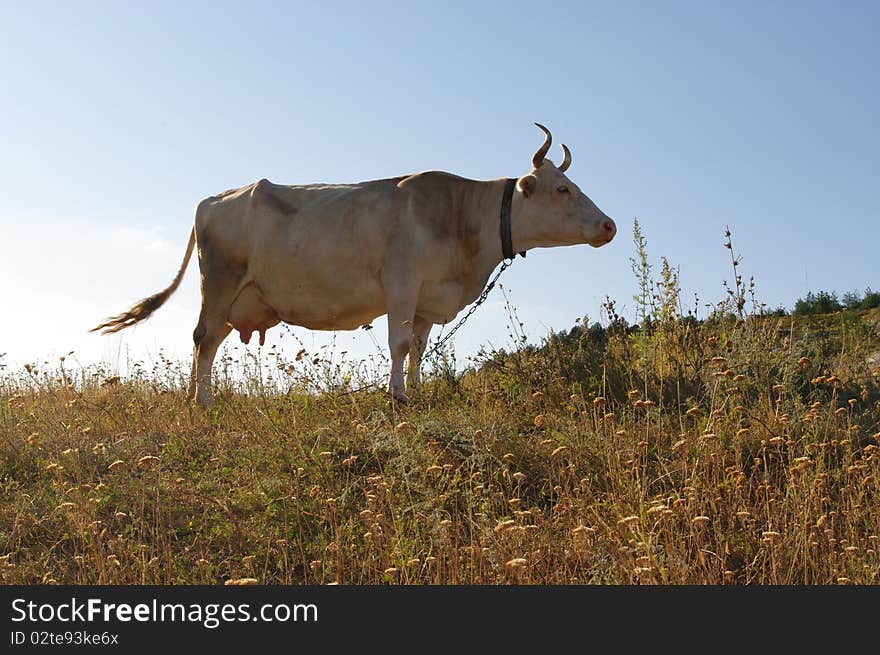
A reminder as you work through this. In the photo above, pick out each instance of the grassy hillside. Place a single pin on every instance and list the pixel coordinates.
(724, 451)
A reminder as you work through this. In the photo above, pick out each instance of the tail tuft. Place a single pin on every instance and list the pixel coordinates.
(147, 306)
(136, 314)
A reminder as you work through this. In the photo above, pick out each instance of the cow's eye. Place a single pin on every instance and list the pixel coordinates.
(563, 189)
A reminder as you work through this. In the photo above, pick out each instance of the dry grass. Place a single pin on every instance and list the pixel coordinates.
(729, 451)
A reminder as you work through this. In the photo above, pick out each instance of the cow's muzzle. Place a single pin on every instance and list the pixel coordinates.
(607, 230)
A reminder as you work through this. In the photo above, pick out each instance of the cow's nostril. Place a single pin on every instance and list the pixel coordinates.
(609, 227)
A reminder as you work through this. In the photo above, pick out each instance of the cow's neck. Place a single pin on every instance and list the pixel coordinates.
(482, 205)
(484, 208)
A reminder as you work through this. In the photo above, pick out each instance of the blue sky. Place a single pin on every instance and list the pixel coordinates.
(116, 118)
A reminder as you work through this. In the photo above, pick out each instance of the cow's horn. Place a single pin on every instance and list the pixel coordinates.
(538, 159)
(566, 162)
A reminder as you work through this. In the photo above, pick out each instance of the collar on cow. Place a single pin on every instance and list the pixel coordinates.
(506, 238)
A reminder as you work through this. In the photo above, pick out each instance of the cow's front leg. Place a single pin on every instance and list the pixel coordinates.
(399, 338)
(421, 329)
(402, 293)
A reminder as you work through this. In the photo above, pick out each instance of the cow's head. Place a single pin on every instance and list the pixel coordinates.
(553, 210)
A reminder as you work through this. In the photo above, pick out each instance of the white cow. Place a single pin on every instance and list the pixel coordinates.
(418, 248)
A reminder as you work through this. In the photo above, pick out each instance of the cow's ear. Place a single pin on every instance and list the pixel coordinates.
(527, 184)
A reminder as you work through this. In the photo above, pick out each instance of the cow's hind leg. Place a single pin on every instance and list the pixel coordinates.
(207, 337)
(219, 280)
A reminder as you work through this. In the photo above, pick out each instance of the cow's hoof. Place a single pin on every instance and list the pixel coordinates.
(399, 398)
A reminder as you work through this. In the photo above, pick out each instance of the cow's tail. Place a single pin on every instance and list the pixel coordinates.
(147, 306)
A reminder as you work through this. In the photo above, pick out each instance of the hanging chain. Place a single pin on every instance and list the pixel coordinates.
(482, 298)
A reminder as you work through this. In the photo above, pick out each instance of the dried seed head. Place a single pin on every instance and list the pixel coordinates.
(538, 420)
(628, 521)
(700, 521)
(517, 563)
(504, 526)
(599, 401)
(147, 460)
(240, 582)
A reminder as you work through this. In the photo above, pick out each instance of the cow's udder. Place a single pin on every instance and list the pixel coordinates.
(250, 313)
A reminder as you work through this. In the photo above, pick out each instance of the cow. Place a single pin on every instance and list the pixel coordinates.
(418, 248)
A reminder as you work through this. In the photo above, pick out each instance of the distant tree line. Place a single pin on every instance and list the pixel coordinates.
(821, 302)
(825, 302)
